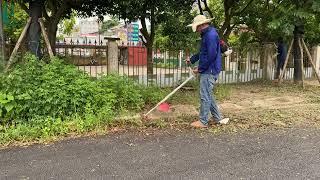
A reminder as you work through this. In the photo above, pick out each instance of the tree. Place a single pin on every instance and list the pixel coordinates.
(67, 25)
(35, 12)
(232, 10)
(106, 25)
(297, 16)
(271, 19)
(174, 33)
(53, 11)
(156, 11)
(16, 23)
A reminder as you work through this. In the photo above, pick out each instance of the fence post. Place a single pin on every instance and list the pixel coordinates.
(180, 58)
(268, 61)
(112, 64)
(316, 57)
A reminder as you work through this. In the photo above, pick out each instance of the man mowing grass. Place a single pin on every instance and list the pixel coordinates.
(209, 68)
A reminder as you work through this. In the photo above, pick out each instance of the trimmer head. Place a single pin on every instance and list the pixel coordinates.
(164, 107)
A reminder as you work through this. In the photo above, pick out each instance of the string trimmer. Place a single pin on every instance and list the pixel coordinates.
(192, 75)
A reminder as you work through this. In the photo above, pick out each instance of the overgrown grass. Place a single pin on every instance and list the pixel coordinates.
(190, 94)
(41, 100)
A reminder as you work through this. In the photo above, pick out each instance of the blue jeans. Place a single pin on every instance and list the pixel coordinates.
(207, 99)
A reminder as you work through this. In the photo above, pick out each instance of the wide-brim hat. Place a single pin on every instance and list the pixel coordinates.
(198, 20)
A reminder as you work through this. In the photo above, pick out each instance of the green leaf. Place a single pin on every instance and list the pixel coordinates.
(4, 101)
(25, 96)
(10, 97)
(3, 96)
(9, 107)
(302, 14)
(316, 6)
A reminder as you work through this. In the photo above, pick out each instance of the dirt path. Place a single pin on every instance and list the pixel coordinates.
(260, 106)
(271, 105)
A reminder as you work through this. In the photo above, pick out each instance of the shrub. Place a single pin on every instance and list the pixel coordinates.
(153, 94)
(41, 100)
(127, 94)
(57, 90)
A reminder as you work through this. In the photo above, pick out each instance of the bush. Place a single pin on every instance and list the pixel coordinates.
(41, 100)
(131, 96)
(36, 89)
(153, 94)
(127, 94)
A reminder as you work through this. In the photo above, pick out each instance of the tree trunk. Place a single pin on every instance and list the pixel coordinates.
(297, 54)
(227, 33)
(35, 12)
(149, 59)
(148, 42)
(227, 19)
(51, 29)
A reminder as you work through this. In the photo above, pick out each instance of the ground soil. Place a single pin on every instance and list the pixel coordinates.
(260, 105)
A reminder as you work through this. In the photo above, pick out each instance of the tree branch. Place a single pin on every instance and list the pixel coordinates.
(144, 30)
(199, 5)
(242, 11)
(143, 41)
(152, 22)
(207, 8)
(52, 6)
(60, 12)
(44, 13)
(227, 17)
(228, 31)
(24, 7)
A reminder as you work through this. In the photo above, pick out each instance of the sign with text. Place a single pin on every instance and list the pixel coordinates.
(133, 32)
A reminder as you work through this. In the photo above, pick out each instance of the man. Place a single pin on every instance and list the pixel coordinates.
(209, 68)
(35, 12)
(281, 56)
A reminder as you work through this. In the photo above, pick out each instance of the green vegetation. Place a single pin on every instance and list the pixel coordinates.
(167, 63)
(42, 101)
(39, 100)
(16, 23)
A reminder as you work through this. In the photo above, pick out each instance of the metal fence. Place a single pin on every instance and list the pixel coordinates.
(242, 66)
(89, 57)
(169, 67)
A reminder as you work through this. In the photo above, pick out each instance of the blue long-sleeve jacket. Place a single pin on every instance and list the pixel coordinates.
(210, 55)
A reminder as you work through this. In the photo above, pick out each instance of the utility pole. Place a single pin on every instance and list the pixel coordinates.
(2, 44)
